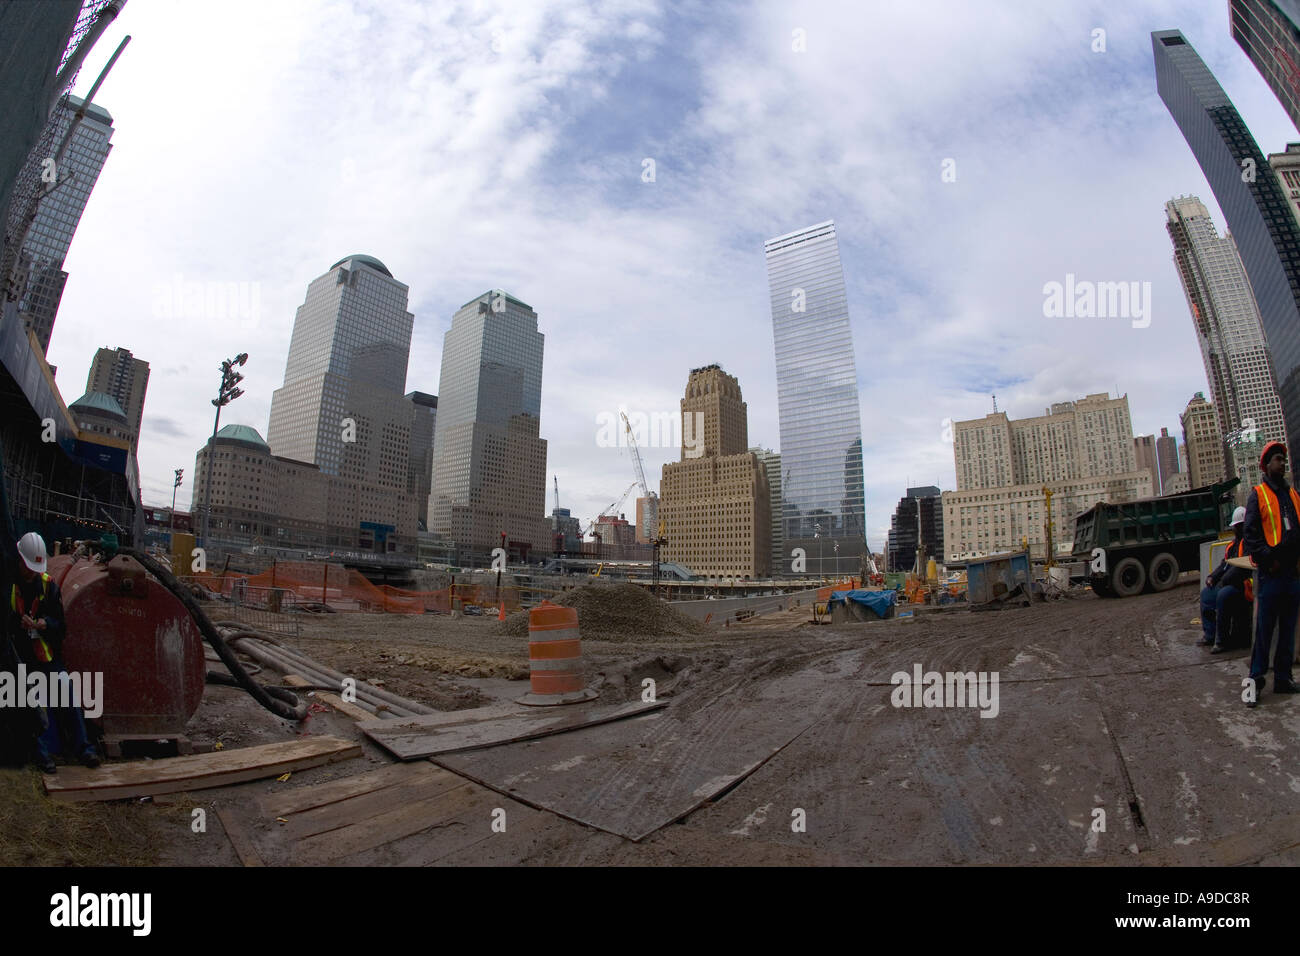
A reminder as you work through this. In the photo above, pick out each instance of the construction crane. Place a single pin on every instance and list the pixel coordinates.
(651, 512)
(556, 479)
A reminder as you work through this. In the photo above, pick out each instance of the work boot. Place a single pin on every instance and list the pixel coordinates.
(1286, 687)
(90, 758)
(47, 765)
(1217, 649)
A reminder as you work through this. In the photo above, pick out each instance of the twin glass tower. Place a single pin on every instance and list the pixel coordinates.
(823, 497)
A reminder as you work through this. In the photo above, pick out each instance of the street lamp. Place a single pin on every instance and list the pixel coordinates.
(228, 392)
(817, 533)
(175, 485)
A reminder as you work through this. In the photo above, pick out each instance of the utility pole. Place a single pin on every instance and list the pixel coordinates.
(226, 394)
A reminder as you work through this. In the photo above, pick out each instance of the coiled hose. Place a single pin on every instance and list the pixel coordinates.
(283, 703)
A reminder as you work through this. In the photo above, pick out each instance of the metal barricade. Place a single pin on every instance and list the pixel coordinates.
(267, 609)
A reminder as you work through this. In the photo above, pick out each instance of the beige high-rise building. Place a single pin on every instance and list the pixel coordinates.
(117, 373)
(715, 503)
(1204, 440)
(1090, 438)
(1082, 451)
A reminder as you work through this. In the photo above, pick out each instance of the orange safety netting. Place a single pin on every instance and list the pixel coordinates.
(343, 589)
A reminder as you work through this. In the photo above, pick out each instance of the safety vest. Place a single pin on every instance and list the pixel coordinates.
(43, 653)
(1240, 546)
(1270, 512)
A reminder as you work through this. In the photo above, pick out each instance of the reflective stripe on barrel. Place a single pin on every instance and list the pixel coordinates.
(554, 651)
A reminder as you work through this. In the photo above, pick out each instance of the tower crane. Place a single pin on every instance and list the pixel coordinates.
(651, 515)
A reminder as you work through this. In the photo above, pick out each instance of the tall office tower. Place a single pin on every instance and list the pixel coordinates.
(1204, 442)
(822, 488)
(715, 504)
(489, 461)
(419, 475)
(341, 407)
(1229, 332)
(116, 372)
(1144, 451)
(1169, 459)
(771, 461)
(1269, 32)
(46, 246)
(1252, 202)
(900, 551)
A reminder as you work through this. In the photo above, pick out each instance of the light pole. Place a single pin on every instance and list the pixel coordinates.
(175, 485)
(228, 392)
(836, 544)
(817, 533)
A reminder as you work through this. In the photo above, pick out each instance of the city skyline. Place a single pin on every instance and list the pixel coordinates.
(642, 261)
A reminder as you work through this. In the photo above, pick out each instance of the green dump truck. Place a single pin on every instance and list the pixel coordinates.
(1137, 546)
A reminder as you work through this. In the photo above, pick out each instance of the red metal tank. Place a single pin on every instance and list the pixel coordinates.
(123, 623)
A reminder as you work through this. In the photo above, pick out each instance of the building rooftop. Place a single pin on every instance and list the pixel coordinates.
(100, 402)
(93, 110)
(502, 292)
(365, 260)
(243, 433)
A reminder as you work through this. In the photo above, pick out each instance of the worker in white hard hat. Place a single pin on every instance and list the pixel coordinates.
(1227, 591)
(36, 622)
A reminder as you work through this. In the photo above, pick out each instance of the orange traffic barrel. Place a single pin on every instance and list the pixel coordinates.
(554, 657)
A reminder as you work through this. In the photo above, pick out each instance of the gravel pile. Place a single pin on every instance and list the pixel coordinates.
(616, 612)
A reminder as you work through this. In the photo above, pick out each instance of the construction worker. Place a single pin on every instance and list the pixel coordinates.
(1272, 536)
(37, 624)
(1226, 588)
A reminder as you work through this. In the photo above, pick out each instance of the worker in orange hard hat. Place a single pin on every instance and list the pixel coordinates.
(1272, 537)
(37, 624)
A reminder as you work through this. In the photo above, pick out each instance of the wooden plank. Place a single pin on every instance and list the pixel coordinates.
(396, 824)
(420, 787)
(632, 779)
(197, 772)
(239, 838)
(355, 711)
(432, 735)
(282, 802)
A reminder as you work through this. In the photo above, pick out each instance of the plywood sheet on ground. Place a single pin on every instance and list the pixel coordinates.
(408, 814)
(119, 781)
(633, 777)
(428, 735)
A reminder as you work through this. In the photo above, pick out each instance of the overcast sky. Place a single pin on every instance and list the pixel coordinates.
(486, 144)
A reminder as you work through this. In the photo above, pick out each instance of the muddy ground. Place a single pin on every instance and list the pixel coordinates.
(1105, 707)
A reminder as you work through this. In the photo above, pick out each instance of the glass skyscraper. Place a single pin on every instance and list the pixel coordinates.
(823, 501)
(1228, 330)
(59, 212)
(1251, 199)
(350, 345)
(489, 461)
(1269, 32)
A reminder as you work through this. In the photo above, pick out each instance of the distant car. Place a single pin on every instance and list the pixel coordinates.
(473, 609)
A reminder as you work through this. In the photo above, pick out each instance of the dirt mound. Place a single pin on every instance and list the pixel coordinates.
(616, 612)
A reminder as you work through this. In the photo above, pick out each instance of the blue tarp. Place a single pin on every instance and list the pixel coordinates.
(878, 601)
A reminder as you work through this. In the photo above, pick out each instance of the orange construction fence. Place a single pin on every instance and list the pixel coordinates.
(344, 589)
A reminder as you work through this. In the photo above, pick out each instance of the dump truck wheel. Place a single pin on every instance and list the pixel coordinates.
(1128, 578)
(1163, 571)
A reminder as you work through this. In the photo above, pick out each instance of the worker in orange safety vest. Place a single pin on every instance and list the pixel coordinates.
(1273, 542)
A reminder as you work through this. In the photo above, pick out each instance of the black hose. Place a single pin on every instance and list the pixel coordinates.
(278, 701)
